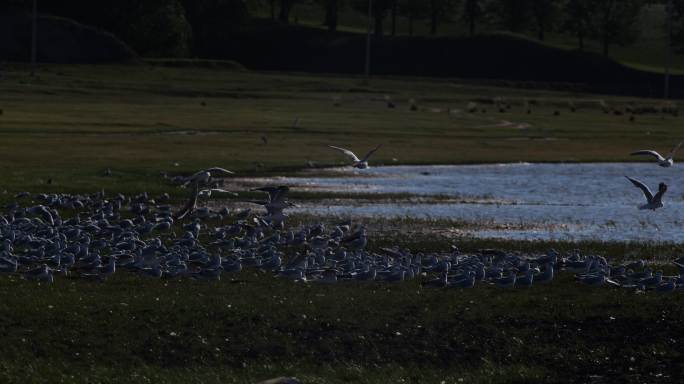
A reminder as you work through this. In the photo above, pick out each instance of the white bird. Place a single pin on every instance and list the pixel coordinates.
(356, 162)
(208, 192)
(190, 205)
(665, 162)
(653, 202)
(205, 176)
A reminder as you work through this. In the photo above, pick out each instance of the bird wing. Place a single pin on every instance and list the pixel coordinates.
(647, 192)
(659, 195)
(189, 179)
(260, 202)
(190, 205)
(219, 170)
(649, 153)
(674, 150)
(346, 152)
(218, 190)
(371, 152)
(280, 194)
(274, 193)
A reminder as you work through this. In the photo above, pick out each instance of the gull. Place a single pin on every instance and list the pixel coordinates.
(664, 162)
(439, 282)
(467, 282)
(666, 287)
(208, 192)
(190, 205)
(525, 281)
(653, 202)
(357, 163)
(205, 176)
(546, 275)
(276, 204)
(506, 281)
(329, 277)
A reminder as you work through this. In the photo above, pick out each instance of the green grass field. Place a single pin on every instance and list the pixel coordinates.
(72, 122)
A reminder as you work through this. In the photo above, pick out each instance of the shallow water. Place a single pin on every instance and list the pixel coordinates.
(540, 201)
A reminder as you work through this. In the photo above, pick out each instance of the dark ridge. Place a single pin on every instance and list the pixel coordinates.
(60, 40)
(495, 57)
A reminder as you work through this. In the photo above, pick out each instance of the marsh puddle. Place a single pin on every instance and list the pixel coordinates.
(554, 201)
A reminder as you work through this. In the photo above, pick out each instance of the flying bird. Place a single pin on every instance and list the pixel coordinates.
(205, 176)
(653, 202)
(356, 162)
(665, 162)
(276, 204)
(190, 205)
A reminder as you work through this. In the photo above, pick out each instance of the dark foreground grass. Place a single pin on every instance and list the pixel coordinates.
(255, 326)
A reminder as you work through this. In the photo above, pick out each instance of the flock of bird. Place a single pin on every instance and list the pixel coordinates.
(145, 235)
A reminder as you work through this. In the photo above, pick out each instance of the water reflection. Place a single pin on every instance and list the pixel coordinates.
(540, 201)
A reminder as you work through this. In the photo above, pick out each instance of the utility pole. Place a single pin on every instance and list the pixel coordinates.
(368, 38)
(668, 49)
(34, 37)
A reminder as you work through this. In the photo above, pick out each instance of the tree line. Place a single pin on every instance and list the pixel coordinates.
(191, 27)
(608, 21)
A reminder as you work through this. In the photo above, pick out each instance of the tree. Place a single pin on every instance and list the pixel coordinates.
(161, 30)
(616, 21)
(677, 27)
(440, 10)
(331, 14)
(395, 6)
(412, 10)
(285, 8)
(472, 11)
(544, 11)
(379, 12)
(578, 15)
(211, 22)
(512, 15)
